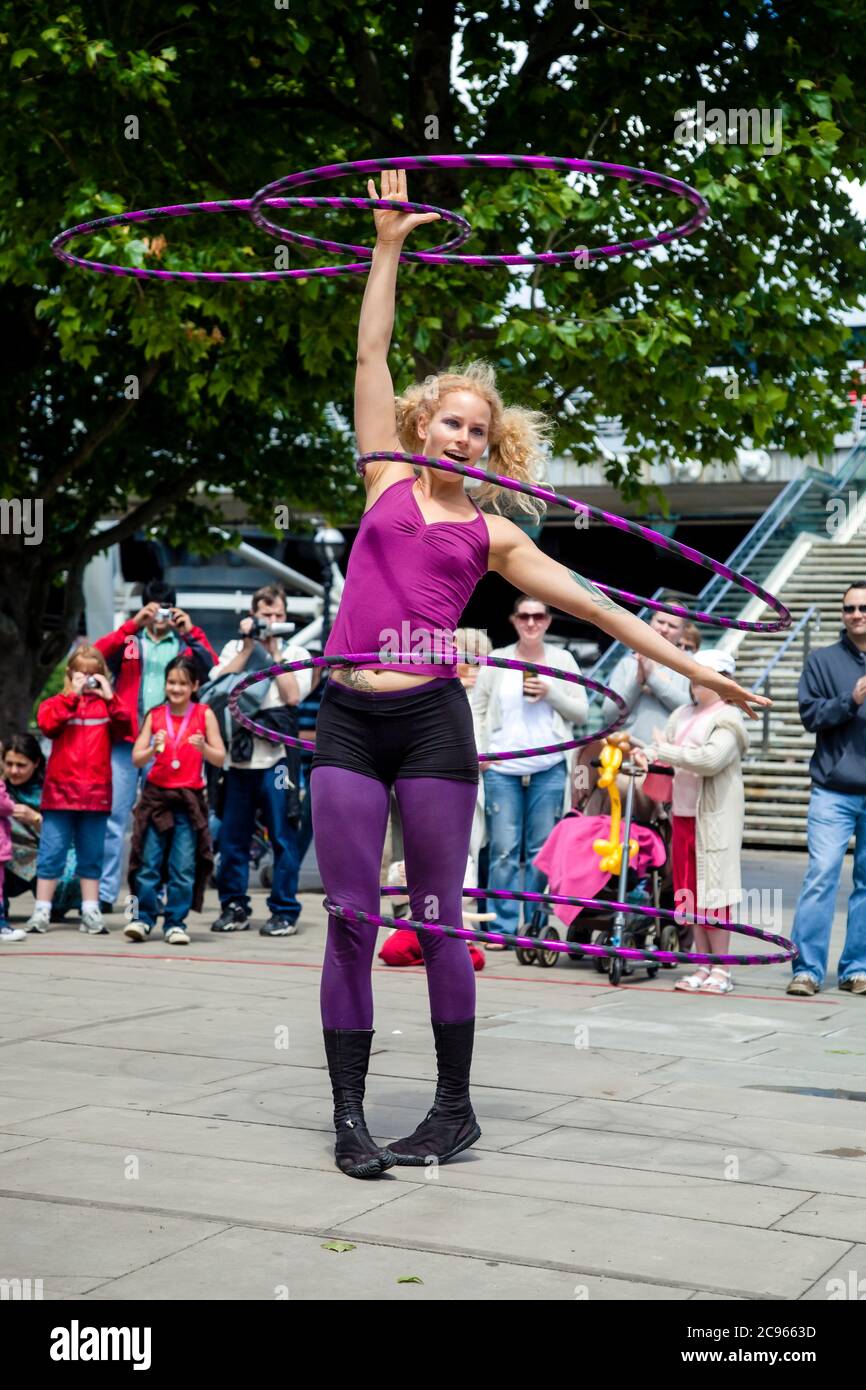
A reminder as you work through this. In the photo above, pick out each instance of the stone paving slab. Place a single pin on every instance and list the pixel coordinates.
(55, 1058)
(508, 1104)
(827, 1214)
(246, 1263)
(845, 1281)
(768, 1105)
(68, 1241)
(172, 1132)
(661, 1194)
(704, 1254)
(699, 1158)
(221, 1190)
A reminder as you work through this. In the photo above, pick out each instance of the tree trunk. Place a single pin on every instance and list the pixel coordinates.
(30, 650)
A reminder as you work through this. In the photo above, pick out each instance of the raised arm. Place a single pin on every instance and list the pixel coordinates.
(375, 418)
(519, 560)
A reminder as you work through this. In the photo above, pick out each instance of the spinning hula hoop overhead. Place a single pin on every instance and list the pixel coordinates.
(274, 196)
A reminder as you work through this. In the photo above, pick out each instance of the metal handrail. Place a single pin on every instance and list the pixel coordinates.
(763, 679)
(743, 554)
(783, 505)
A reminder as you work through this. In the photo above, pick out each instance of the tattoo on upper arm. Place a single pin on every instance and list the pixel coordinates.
(596, 595)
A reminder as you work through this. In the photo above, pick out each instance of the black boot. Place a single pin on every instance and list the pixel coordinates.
(450, 1126)
(348, 1053)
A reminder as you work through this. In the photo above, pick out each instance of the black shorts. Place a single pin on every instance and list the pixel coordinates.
(423, 731)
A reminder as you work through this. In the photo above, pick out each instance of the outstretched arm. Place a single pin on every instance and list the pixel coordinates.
(520, 561)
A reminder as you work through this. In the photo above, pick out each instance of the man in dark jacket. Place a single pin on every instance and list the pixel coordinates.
(137, 655)
(831, 694)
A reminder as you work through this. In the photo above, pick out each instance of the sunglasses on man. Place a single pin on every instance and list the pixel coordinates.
(854, 607)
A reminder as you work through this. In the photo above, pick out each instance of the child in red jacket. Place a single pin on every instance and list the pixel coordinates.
(76, 797)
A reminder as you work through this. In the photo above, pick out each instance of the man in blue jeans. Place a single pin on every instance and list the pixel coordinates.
(831, 695)
(259, 775)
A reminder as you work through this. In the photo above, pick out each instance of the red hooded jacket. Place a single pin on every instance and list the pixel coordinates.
(78, 775)
(122, 651)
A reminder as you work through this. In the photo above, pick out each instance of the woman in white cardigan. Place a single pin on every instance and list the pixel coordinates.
(704, 742)
(524, 797)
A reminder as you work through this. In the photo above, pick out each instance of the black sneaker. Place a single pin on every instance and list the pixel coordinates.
(279, 926)
(234, 917)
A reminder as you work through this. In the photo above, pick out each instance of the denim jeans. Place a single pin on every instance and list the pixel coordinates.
(180, 879)
(60, 829)
(519, 816)
(305, 829)
(247, 788)
(833, 818)
(124, 788)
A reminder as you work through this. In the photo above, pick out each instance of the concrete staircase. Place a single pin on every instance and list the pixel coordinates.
(777, 779)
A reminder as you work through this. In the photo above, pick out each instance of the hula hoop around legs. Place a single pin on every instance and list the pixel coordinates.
(565, 948)
(468, 934)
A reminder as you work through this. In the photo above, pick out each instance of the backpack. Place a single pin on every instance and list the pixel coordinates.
(239, 740)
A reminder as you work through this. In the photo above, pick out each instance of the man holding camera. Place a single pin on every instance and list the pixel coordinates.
(262, 774)
(137, 655)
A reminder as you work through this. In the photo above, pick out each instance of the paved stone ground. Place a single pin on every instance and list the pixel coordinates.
(157, 1141)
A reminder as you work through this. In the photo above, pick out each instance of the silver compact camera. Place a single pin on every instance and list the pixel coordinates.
(163, 615)
(91, 683)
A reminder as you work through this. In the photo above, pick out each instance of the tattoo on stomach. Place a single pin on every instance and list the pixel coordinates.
(356, 679)
(595, 594)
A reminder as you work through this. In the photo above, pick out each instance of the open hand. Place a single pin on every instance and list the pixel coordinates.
(395, 226)
(730, 692)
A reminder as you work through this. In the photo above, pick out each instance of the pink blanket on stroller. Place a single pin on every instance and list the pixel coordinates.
(572, 866)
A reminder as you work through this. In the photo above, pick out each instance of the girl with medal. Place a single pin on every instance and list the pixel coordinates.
(170, 823)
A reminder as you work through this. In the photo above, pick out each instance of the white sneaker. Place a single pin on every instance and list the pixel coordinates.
(92, 923)
(8, 933)
(176, 936)
(136, 931)
(39, 920)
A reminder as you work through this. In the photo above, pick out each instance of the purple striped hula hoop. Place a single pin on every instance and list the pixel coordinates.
(634, 528)
(243, 205)
(527, 943)
(408, 659)
(496, 161)
(566, 948)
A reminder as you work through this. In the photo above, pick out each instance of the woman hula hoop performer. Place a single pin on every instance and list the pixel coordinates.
(422, 546)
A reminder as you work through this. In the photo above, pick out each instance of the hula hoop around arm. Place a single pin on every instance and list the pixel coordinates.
(633, 528)
(325, 172)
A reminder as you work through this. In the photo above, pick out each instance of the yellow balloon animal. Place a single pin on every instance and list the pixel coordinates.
(611, 849)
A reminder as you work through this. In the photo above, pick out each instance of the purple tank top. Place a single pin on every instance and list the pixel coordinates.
(408, 582)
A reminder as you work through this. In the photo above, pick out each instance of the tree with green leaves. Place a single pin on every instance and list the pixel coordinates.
(144, 404)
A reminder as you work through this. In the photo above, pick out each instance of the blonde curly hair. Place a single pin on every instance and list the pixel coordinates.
(516, 440)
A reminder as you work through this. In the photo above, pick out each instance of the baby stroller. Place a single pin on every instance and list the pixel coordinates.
(599, 925)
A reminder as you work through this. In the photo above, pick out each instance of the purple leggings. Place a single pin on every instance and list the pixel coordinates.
(350, 818)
